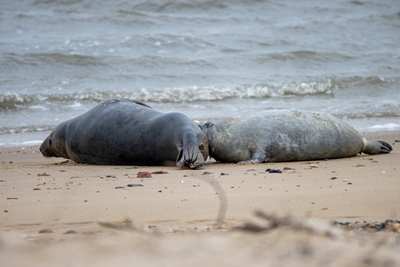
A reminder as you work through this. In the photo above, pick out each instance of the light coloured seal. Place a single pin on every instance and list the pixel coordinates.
(275, 136)
(120, 131)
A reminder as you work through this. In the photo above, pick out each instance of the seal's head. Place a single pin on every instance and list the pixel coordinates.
(194, 150)
(46, 147)
(54, 144)
(208, 129)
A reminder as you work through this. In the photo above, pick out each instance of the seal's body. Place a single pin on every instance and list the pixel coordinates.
(120, 131)
(274, 136)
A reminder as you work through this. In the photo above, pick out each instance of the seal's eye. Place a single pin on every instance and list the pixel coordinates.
(50, 142)
(201, 147)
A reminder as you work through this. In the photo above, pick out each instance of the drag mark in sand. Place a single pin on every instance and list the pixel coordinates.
(223, 200)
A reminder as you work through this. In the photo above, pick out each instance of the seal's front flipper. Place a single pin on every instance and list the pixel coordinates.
(189, 156)
(179, 160)
(376, 147)
(256, 158)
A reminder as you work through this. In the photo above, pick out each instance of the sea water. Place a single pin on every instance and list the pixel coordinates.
(207, 59)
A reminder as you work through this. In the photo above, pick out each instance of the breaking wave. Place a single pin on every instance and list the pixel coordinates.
(12, 100)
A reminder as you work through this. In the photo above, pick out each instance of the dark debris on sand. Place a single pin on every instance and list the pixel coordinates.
(387, 226)
(270, 222)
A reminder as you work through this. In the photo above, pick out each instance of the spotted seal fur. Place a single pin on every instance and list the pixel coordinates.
(276, 136)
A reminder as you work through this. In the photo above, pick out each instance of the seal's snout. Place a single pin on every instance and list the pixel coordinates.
(193, 151)
(44, 147)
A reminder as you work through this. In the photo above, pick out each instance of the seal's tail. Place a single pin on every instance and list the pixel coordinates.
(376, 147)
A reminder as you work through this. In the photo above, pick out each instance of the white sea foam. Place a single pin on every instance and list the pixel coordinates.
(31, 143)
(388, 126)
(213, 93)
(33, 107)
(75, 105)
(20, 144)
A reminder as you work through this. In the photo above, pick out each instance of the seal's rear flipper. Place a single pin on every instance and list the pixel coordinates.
(376, 147)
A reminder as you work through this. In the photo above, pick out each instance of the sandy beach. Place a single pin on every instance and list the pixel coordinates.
(54, 212)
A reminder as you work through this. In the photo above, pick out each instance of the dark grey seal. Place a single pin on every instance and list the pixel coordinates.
(274, 136)
(120, 131)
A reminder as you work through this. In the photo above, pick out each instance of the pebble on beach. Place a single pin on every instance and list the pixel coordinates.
(273, 171)
(144, 175)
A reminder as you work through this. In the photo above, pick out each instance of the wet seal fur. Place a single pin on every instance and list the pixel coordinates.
(276, 136)
(121, 131)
